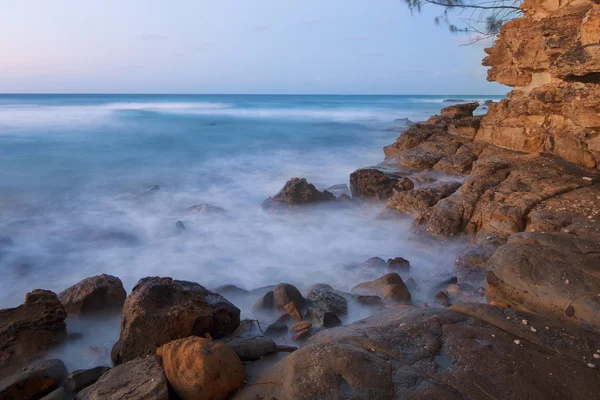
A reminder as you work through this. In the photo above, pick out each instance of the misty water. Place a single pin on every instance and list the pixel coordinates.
(96, 184)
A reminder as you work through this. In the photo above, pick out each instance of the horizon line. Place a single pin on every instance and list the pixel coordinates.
(234, 94)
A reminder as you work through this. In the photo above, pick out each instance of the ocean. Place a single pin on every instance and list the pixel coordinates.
(95, 184)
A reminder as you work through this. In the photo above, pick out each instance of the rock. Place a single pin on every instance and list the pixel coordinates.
(101, 293)
(442, 299)
(61, 393)
(251, 349)
(34, 381)
(204, 208)
(285, 293)
(548, 273)
(293, 311)
(426, 353)
(139, 379)
(555, 104)
(296, 192)
(370, 301)
(160, 310)
(200, 368)
(180, 227)
(376, 185)
(225, 290)
(419, 200)
(300, 326)
(374, 262)
(389, 287)
(30, 329)
(460, 110)
(329, 300)
(339, 190)
(325, 319)
(248, 328)
(300, 336)
(266, 302)
(276, 329)
(82, 378)
(113, 238)
(398, 264)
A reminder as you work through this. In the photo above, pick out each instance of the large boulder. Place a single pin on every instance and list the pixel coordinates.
(34, 381)
(160, 310)
(30, 329)
(416, 201)
(329, 300)
(426, 353)
(251, 348)
(98, 294)
(374, 184)
(459, 110)
(82, 378)
(296, 192)
(199, 368)
(139, 379)
(390, 288)
(284, 293)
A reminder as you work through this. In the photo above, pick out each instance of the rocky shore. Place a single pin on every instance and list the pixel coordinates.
(520, 318)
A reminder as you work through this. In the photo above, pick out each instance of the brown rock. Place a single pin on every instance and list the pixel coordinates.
(459, 110)
(102, 293)
(293, 311)
(299, 336)
(80, 379)
(300, 326)
(160, 310)
(30, 329)
(374, 184)
(419, 200)
(329, 300)
(34, 381)
(251, 348)
(374, 262)
(325, 319)
(389, 287)
(296, 192)
(442, 299)
(139, 379)
(398, 264)
(285, 293)
(199, 368)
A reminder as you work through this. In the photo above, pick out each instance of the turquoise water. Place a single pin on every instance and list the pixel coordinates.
(76, 173)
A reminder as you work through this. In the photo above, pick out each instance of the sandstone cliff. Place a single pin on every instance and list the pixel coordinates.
(551, 57)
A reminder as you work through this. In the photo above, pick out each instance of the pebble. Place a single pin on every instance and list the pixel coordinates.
(587, 178)
(517, 341)
(591, 365)
(533, 329)
(596, 355)
(524, 322)
(567, 281)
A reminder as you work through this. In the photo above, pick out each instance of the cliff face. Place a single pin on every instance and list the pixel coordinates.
(551, 57)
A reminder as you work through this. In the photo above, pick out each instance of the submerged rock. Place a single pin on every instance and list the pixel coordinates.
(389, 287)
(205, 208)
(98, 294)
(297, 192)
(160, 310)
(29, 330)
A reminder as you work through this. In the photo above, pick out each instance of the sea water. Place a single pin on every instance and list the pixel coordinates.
(93, 184)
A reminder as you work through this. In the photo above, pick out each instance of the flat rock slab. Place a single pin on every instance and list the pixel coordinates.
(34, 381)
(424, 353)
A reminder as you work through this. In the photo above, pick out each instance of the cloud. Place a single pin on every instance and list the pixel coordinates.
(152, 37)
(259, 29)
(356, 38)
(313, 21)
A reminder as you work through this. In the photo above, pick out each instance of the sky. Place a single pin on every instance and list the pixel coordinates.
(234, 46)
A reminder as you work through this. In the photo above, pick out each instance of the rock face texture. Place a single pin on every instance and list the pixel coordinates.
(296, 192)
(102, 293)
(551, 57)
(30, 329)
(160, 310)
(374, 184)
(425, 353)
(34, 381)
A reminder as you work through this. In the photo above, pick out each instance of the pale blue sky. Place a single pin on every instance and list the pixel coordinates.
(233, 46)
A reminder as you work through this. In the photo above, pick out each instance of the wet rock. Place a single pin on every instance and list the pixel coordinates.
(292, 309)
(160, 310)
(180, 227)
(369, 301)
(248, 328)
(441, 299)
(29, 330)
(225, 290)
(205, 208)
(297, 192)
(266, 302)
(326, 319)
(34, 381)
(62, 393)
(374, 262)
(276, 329)
(339, 190)
(300, 326)
(411, 284)
(82, 378)
(101, 293)
(200, 368)
(329, 300)
(376, 185)
(285, 293)
(139, 379)
(251, 348)
(301, 335)
(398, 264)
(389, 287)
(423, 353)
(419, 200)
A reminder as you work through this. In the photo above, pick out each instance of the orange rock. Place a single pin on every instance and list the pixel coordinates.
(292, 310)
(300, 326)
(499, 304)
(199, 368)
(302, 335)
